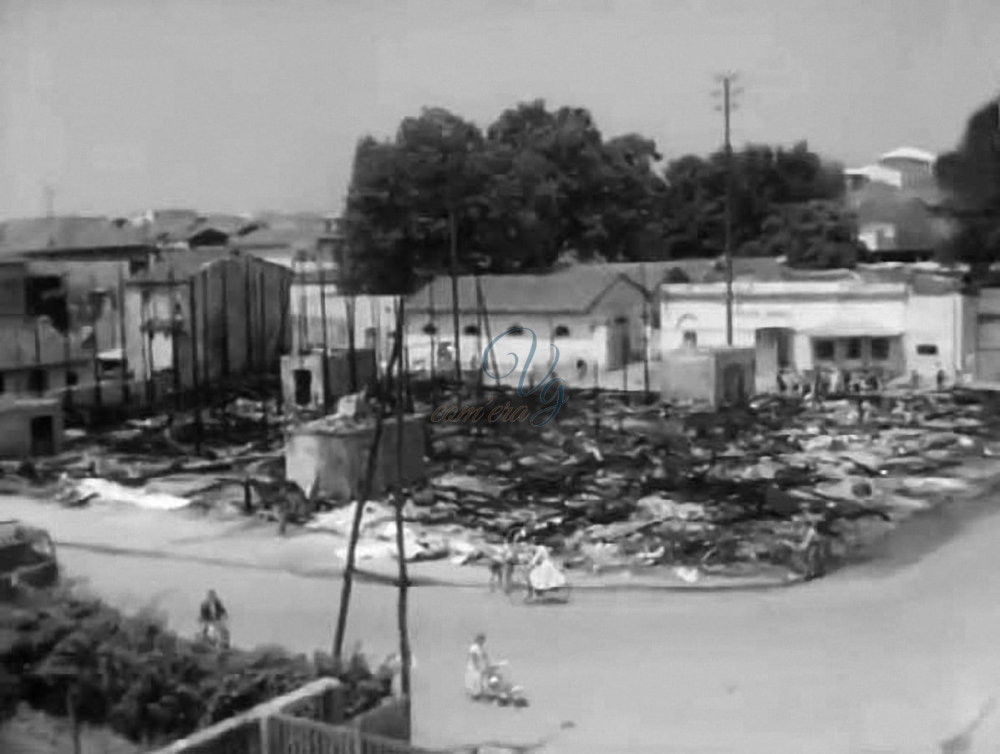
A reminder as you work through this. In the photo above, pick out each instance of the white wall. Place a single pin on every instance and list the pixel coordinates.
(587, 341)
(372, 315)
(805, 306)
(938, 321)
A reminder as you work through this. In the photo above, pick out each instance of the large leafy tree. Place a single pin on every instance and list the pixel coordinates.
(970, 176)
(407, 196)
(541, 184)
(766, 182)
(816, 235)
(537, 184)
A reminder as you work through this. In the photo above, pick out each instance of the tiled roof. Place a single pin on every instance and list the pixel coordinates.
(292, 234)
(48, 234)
(573, 289)
(180, 265)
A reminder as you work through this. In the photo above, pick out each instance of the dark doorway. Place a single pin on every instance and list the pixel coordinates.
(43, 439)
(303, 386)
(734, 389)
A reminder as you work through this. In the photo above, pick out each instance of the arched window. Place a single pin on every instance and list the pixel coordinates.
(581, 368)
(430, 329)
(562, 331)
(516, 330)
(471, 330)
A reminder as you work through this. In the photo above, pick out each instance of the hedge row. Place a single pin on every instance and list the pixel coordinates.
(64, 655)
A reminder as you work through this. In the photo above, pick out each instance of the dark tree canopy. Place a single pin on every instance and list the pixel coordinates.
(765, 182)
(970, 176)
(540, 184)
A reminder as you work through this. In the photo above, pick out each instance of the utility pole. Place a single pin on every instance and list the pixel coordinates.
(453, 268)
(728, 93)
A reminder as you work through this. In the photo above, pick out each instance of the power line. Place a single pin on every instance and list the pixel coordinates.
(728, 93)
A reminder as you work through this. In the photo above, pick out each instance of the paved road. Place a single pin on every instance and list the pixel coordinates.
(866, 661)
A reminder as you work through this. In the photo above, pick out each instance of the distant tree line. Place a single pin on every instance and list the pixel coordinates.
(539, 184)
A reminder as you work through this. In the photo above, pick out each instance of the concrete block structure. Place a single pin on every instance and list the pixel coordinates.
(714, 376)
(334, 459)
(30, 427)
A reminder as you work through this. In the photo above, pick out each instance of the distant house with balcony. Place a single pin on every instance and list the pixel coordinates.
(891, 202)
(62, 280)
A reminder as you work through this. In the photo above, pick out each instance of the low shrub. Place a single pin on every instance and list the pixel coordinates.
(80, 658)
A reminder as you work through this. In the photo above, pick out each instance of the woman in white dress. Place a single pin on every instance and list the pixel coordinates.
(543, 575)
(476, 666)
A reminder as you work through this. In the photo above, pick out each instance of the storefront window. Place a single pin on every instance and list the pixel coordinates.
(880, 349)
(854, 348)
(823, 350)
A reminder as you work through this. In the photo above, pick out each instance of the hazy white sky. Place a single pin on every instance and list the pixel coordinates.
(240, 105)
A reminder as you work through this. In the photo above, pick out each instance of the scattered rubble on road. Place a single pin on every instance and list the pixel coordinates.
(612, 487)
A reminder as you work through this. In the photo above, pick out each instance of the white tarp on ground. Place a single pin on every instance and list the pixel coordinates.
(112, 492)
(339, 520)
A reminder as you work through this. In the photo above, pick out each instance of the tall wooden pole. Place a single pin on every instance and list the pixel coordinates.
(433, 343)
(264, 356)
(479, 337)
(453, 259)
(326, 338)
(352, 349)
(37, 347)
(486, 320)
(68, 359)
(175, 331)
(126, 381)
(195, 381)
(146, 340)
(251, 347)
(366, 491)
(404, 581)
(727, 107)
(286, 302)
(98, 398)
(226, 365)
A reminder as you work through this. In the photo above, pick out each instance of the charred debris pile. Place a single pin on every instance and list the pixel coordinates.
(605, 484)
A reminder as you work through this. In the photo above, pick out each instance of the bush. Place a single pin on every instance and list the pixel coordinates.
(131, 674)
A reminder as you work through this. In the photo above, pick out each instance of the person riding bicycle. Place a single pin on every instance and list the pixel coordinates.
(212, 614)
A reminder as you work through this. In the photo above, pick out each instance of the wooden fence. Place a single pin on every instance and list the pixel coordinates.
(297, 735)
(307, 721)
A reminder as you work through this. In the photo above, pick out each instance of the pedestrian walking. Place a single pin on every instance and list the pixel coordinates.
(476, 666)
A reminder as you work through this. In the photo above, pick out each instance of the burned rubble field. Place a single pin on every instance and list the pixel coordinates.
(726, 491)
(608, 485)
